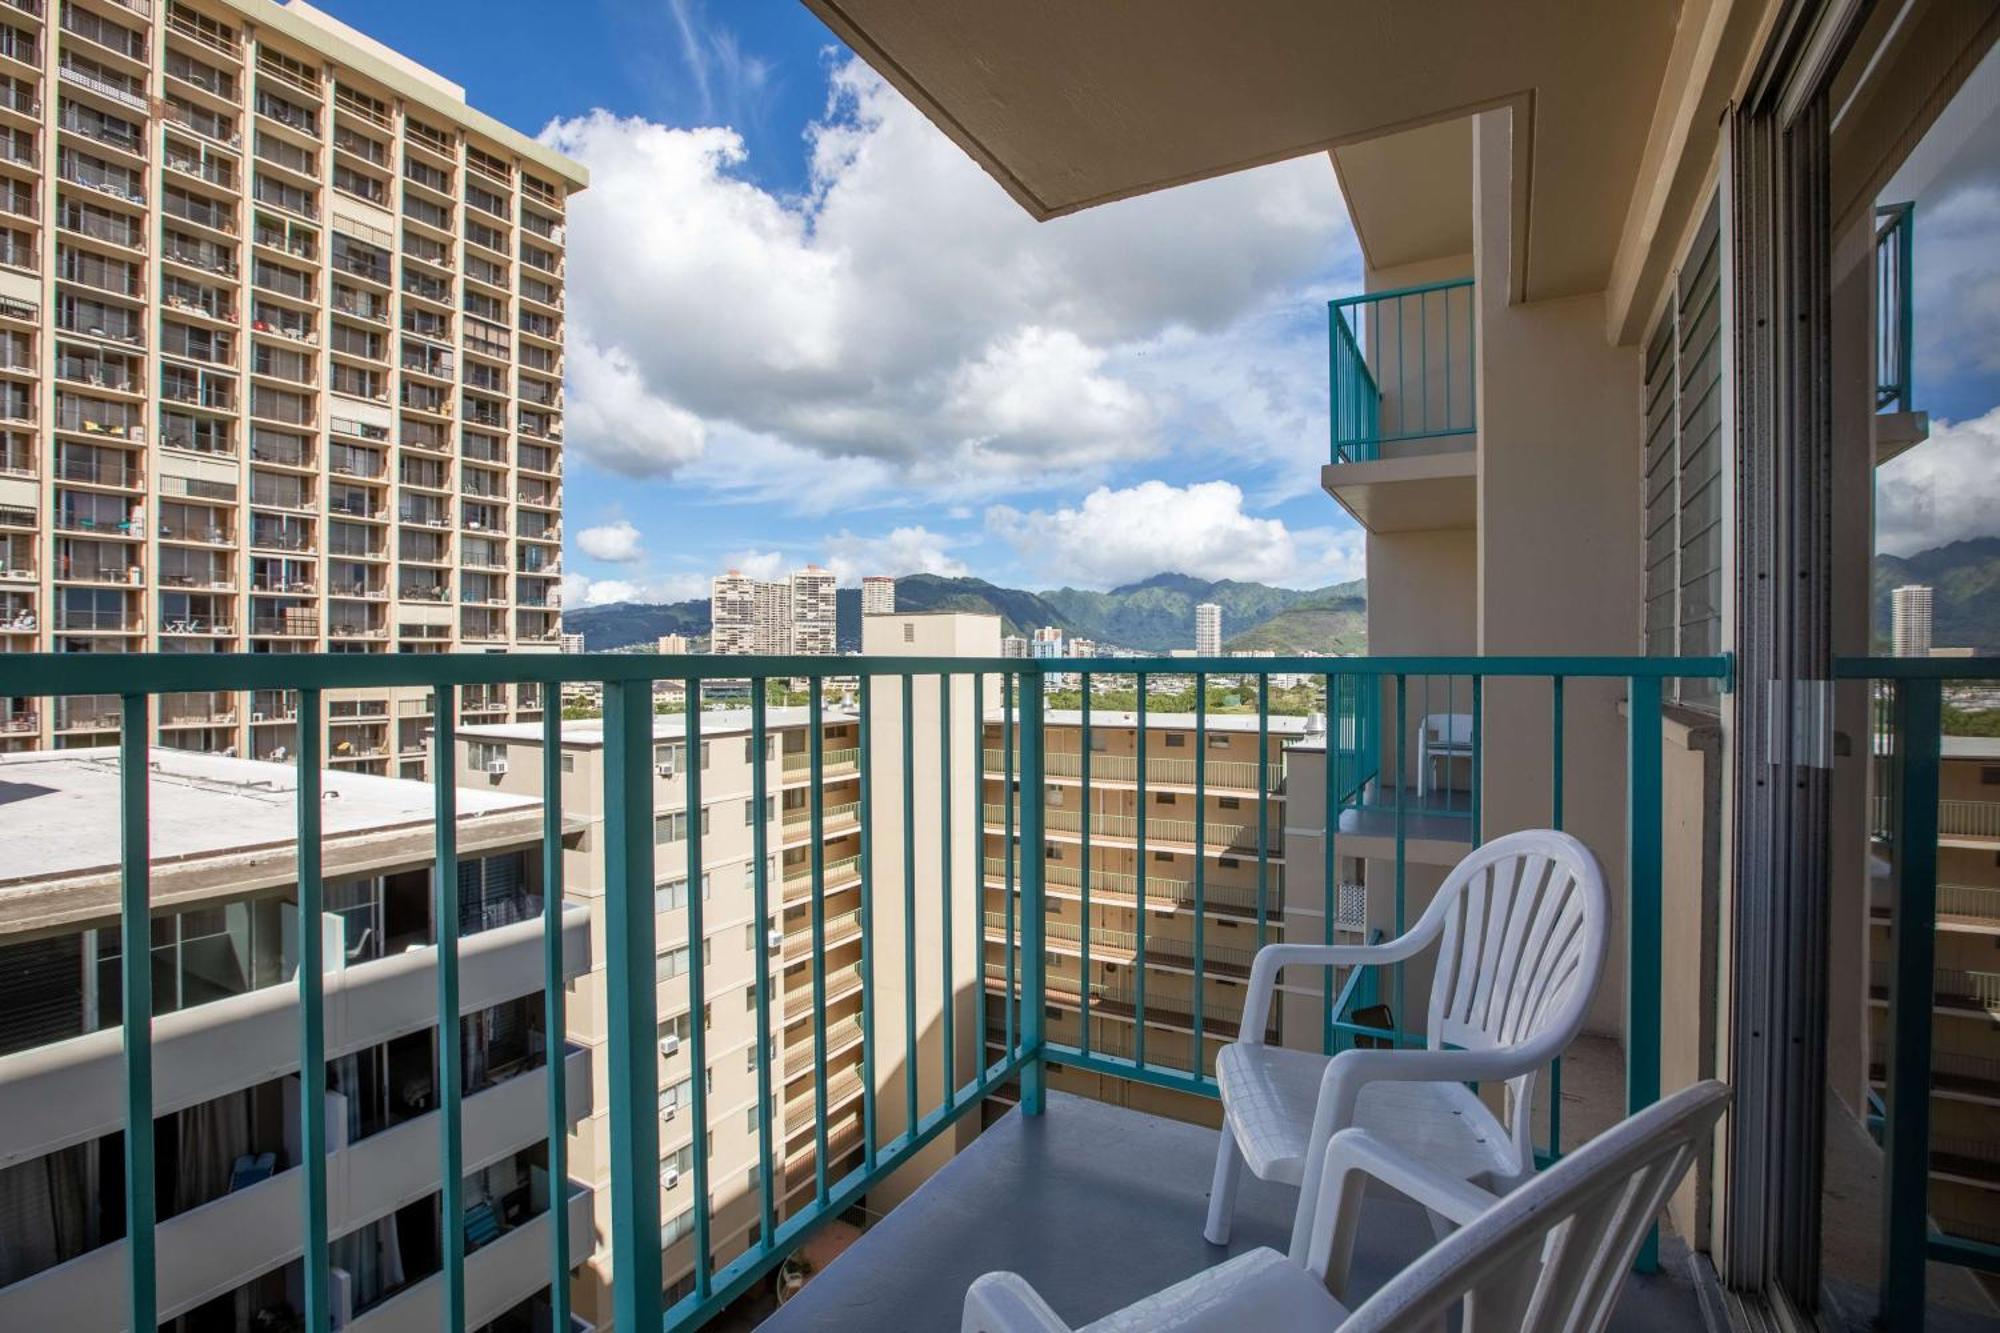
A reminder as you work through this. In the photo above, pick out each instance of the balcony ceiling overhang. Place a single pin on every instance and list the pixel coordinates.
(1072, 105)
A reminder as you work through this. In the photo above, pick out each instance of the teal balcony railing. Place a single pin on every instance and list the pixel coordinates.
(1895, 312)
(1402, 367)
(1010, 995)
(1907, 697)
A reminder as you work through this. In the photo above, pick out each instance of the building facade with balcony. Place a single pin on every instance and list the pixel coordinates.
(224, 957)
(281, 363)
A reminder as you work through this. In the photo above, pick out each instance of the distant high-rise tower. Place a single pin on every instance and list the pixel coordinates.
(812, 618)
(1208, 630)
(1047, 642)
(732, 614)
(878, 595)
(672, 645)
(1910, 621)
(1013, 645)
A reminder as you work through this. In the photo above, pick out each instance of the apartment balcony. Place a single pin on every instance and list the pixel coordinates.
(1064, 1173)
(1404, 425)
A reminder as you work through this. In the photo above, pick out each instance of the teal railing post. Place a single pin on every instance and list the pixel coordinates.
(632, 1001)
(312, 1023)
(1906, 1127)
(760, 890)
(450, 1036)
(554, 1025)
(1643, 842)
(135, 965)
(1034, 952)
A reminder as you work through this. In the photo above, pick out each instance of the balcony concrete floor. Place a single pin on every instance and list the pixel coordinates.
(1098, 1205)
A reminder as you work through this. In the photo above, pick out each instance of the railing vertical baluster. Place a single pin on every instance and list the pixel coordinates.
(816, 856)
(909, 905)
(1199, 1006)
(1642, 920)
(1478, 756)
(1008, 802)
(980, 1062)
(760, 895)
(1139, 916)
(135, 966)
(1083, 805)
(1556, 753)
(1263, 805)
(554, 1025)
(945, 935)
(866, 768)
(1329, 862)
(1034, 955)
(450, 1037)
(1906, 1137)
(697, 995)
(633, 1017)
(1402, 786)
(312, 1022)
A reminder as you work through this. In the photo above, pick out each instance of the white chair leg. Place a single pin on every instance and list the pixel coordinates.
(1423, 767)
(1222, 1191)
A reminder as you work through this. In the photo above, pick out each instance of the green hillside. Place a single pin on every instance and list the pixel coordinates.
(1965, 599)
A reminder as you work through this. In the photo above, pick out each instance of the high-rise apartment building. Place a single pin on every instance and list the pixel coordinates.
(672, 645)
(1910, 621)
(1208, 630)
(878, 595)
(283, 331)
(791, 615)
(1013, 645)
(813, 621)
(227, 1086)
(1046, 642)
(572, 643)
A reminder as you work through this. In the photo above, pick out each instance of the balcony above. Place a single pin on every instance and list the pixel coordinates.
(1402, 373)
(1098, 1205)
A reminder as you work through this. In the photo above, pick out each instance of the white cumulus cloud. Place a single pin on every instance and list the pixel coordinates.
(900, 318)
(900, 551)
(614, 543)
(1120, 536)
(1944, 490)
(580, 590)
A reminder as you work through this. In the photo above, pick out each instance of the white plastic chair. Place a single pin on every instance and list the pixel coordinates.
(1441, 736)
(1552, 1255)
(1521, 926)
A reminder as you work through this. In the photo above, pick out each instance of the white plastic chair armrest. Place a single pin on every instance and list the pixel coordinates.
(1273, 957)
(1005, 1303)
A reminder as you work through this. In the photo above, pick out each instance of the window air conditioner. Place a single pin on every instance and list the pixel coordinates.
(664, 770)
(669, 1044)
(673, 1176)
(774, 939)
(667, 1112)
(496, 767)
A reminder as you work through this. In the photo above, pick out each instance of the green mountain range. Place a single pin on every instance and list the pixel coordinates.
(1156, 615)
(1965, 593)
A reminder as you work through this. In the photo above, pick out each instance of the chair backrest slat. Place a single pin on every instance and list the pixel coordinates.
(1553, 1254)
(1525, 927)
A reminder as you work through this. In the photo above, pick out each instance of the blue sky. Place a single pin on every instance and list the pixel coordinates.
(804, 327)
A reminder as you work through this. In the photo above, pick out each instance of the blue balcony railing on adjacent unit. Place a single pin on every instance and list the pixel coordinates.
(1402, 367)
(901, 1056)
(1895, 314)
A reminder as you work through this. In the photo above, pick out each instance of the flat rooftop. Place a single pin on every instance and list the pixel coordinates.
(224, 823)
(588, 733)
(1288, 724)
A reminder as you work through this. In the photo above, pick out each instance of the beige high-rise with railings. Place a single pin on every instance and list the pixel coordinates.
(281, 333)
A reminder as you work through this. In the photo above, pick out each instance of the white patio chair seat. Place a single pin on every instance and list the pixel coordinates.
(1552, 1255)
(1270, 1093)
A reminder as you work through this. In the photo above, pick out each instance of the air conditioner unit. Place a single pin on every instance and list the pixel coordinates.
(664, 770)
(496, 767)
(774, 940)
(669, 1044)
(672, 1177)
(667, 1112)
